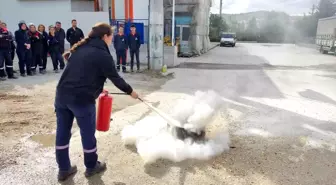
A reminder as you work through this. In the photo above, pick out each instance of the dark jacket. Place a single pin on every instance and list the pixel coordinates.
(134, 41)
(120, 42)
(21, 38)
(74, 35)
(45, 37)
(54, 44)
(6, 39)
(36, 40)
(61, 35)
(85, 74)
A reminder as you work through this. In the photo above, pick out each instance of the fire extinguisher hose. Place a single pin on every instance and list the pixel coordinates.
(171, 121)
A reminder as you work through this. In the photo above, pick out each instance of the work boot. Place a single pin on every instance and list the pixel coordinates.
(64, 175)
(100, 167)
(43, 71)
(13, 77)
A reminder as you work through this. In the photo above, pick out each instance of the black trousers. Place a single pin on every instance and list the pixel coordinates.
(13, 54)
(121, 58)
(24, 61)
(57, 59)
(37, 61)
(136, 53)
(44, 59)
(6, 63)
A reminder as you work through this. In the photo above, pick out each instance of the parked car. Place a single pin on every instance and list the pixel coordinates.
(228, 39)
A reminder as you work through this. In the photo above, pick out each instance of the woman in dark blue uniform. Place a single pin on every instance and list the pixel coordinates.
(89, 65)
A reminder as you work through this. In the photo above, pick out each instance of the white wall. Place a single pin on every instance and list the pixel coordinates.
(47, 13)
(38, 12)
(119, 9)
(82, 6)
(140, 8)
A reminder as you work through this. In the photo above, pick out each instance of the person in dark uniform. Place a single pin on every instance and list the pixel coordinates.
(23, 49)
(120, 46)
(45, 49)
(12, 43)
(6, 63)
(60, 33)
(74, 34)
(89, 64)
(134, 44)
(37, 49)
(55, 49)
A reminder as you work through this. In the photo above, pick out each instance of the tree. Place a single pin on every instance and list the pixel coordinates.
(326, 8)
(217, 25)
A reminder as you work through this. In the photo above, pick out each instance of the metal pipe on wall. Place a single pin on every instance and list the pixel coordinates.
(173, 24)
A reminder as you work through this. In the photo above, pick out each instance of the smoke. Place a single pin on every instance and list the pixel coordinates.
(155, 139)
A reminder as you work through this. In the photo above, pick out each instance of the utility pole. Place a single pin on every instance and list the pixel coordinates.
(220, 8)
(155, 39)
(173, 24)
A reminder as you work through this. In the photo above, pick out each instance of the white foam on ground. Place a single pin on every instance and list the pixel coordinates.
(155, 140)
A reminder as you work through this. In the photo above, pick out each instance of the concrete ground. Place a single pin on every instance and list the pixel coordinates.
(280, 111)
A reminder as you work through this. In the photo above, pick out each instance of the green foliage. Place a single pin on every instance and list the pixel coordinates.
(217, 25)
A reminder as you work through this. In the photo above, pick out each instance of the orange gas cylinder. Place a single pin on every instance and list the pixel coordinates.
(104, 111)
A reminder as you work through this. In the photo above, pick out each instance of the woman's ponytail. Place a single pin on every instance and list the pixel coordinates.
(67, 54)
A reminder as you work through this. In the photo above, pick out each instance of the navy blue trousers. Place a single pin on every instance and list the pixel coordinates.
(86, 120)
(121, 56)
(24, 60)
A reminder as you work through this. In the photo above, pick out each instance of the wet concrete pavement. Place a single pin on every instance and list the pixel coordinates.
(282, 122)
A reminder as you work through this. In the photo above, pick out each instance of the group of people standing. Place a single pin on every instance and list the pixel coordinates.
(33, 44)
(124, 42)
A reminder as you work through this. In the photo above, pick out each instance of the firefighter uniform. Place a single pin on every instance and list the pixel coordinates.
(121, 45)
(23, 53)
(6, 62)
(36, 40)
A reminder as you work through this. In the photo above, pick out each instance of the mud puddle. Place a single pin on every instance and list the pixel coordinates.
(46, 140)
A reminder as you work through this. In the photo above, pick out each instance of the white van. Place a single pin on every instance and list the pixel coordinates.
(228, 39)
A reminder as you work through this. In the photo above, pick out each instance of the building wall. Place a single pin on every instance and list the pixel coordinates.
(48, 12)
(140, 10)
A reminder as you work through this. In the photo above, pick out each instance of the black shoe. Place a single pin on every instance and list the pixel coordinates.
(64, 175)
(100, 167)
(62, 68)
(30, 74)
(23, 75)
(3, 78)
(43, 71)
(13, 77)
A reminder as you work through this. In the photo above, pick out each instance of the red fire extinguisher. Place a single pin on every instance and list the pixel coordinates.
(104, 111)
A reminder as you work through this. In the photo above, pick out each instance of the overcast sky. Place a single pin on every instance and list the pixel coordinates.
(292, 7)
